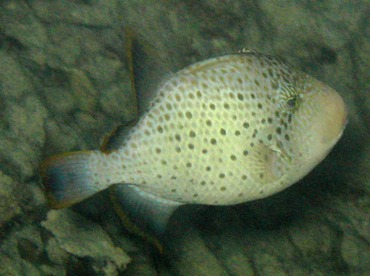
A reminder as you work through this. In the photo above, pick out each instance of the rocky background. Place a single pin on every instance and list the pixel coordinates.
(64, 83)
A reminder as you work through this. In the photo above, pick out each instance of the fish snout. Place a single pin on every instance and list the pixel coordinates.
(334, 117)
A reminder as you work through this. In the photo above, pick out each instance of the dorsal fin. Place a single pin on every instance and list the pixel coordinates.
(129, 50)
(114, 140)
(148, 67)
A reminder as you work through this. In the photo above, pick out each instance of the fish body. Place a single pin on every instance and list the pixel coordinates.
(222, 131)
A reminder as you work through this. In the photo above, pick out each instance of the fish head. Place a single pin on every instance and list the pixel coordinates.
(316, 117)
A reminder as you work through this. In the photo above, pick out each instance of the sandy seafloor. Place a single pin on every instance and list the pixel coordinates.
(64, 83)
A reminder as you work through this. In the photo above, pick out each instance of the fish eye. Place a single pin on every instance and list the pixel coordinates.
(291, 104)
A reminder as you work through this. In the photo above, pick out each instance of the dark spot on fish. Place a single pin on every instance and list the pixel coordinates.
(173, 190)
(192, 134)
(269, 70)
(269, 120)
(212, 106)
(158, 150)
(204, 151)
(213, 141)
(223, 188)
(246, 125)
(191, 146)
(259, 106)
(255, 132)
(160, 129)
(188, 115)
(290, 118)
(223, 131)
(208, 123)
(233, 157)
(237, 133)
(287, 137)
(168, 106)
(278, 130)
(226, 106)
(269, 137)
(245, 152)
(177, 137)
(253, 96)
(203, 183)
(188, 165)
(208, 168)
(240, 97)
(244, 177)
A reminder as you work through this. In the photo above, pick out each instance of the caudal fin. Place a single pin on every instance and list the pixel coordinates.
(67, 179)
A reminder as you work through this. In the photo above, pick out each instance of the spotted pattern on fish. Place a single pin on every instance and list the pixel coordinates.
(223, 131)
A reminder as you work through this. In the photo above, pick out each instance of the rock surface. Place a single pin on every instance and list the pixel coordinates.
(65, 83)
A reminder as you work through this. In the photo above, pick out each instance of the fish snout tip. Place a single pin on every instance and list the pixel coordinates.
(335, 116)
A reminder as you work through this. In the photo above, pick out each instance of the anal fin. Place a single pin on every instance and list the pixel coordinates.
(143, 213)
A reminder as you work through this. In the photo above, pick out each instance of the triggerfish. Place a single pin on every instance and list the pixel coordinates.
(222, 131)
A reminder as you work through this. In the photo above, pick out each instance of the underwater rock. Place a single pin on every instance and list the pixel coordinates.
(22, 254)
(9, 207)
(83, 239)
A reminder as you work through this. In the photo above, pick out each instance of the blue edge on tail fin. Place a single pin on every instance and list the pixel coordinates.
(66, 179)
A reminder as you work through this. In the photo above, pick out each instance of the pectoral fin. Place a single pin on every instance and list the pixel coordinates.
(265, 160)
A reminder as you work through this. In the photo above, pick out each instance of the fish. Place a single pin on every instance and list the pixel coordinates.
(222, 131)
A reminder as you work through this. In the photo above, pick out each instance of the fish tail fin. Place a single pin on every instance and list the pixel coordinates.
(68, 179)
